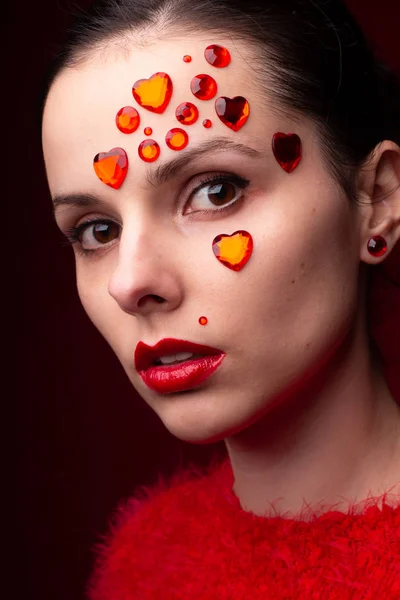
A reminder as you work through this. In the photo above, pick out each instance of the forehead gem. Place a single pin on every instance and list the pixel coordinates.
(149, 150)
(187, 58)
(154, 93)
(287, 150)
(207, 123)
(111, 167)
(217, 56)
(204, 87)
(127, 119)
(177, 139)
(233, 112)
(187, 113)
(147, 131)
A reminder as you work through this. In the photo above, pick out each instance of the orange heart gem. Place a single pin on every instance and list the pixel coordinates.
(154, 93)
(233, 250)
(111, 167)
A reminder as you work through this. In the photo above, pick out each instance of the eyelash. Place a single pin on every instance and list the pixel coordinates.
(73, 234)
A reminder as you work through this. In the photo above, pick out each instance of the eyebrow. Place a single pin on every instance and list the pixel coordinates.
(163, 173)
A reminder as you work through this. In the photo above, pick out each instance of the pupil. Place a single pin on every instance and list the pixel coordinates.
(101, 232)
(221, 193)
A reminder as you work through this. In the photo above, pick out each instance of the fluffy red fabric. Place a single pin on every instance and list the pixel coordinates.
(188, 538)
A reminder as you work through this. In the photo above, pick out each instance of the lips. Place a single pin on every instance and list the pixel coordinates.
(177, 377)
(145, 356)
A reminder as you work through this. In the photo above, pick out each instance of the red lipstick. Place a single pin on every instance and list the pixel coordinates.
(167, 379)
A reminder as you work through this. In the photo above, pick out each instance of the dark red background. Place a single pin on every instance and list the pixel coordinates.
(84, 437)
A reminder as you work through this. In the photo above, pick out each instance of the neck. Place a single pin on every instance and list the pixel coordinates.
(335, 442)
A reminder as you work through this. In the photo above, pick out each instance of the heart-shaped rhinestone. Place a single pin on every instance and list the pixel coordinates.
(233, 112)
(234, 250)
(154, 93)
(111, 167)
(287, 150)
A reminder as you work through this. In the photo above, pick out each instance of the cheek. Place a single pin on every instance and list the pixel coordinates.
(295, 287)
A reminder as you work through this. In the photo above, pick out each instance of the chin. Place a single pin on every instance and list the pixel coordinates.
(200, 418)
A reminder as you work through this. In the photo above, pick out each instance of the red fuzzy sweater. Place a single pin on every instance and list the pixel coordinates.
(189, 539)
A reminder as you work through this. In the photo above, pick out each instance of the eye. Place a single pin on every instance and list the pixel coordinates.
(91, 235)
(217, 194)
(102, 232)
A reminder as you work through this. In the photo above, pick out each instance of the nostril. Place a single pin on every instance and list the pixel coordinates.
(143, 300)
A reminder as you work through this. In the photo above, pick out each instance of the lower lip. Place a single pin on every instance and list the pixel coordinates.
(180, 377)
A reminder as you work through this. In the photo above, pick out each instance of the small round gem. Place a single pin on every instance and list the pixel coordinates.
(187, 113)
(187, 58)
(217, 56)
(148, 131)
(203, 320)
(377, 245)
(207, 123)
(149, 150)
(127, 119)
(204, 87)
(177, 139)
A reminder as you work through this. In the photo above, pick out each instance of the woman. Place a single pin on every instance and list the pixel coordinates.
(229, 176)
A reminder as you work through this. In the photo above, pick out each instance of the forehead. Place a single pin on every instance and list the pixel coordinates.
(80, 112)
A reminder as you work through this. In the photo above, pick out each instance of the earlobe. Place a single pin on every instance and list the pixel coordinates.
(380, 205)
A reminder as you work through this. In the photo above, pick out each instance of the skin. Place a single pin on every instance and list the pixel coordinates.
(303, 408)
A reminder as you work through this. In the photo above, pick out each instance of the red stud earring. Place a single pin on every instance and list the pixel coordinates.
(377, 245)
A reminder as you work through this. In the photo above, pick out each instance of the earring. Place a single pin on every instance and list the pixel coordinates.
(377, 245)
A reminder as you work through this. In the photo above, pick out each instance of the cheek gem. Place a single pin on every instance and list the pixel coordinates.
(154, 93)
(187, 58)
(149, 150)
(234, 250)
(287, 150)
(204, 87)
(147, 131)
(187, 113)
(233, 112)
(217, 56)
(111, 167)
(203, 320)
(177, 139)
(207, 123)
(127, 119)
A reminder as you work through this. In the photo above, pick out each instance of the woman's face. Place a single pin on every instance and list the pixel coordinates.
(279, 318)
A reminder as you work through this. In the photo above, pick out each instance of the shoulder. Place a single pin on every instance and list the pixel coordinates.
(187, 533)
(163, 517)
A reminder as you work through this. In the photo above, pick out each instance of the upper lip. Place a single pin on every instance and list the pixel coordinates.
(145, 355)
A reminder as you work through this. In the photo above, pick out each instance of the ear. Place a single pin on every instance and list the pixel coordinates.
(378, 189)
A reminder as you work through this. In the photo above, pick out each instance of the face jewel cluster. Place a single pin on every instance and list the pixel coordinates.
(154, 95)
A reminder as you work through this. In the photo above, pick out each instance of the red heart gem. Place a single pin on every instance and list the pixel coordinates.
(287, 150)
(233, 112)
(234, 250)
(154, 93)
(111, 167)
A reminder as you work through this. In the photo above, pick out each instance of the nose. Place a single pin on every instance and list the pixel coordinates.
(146, 278)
